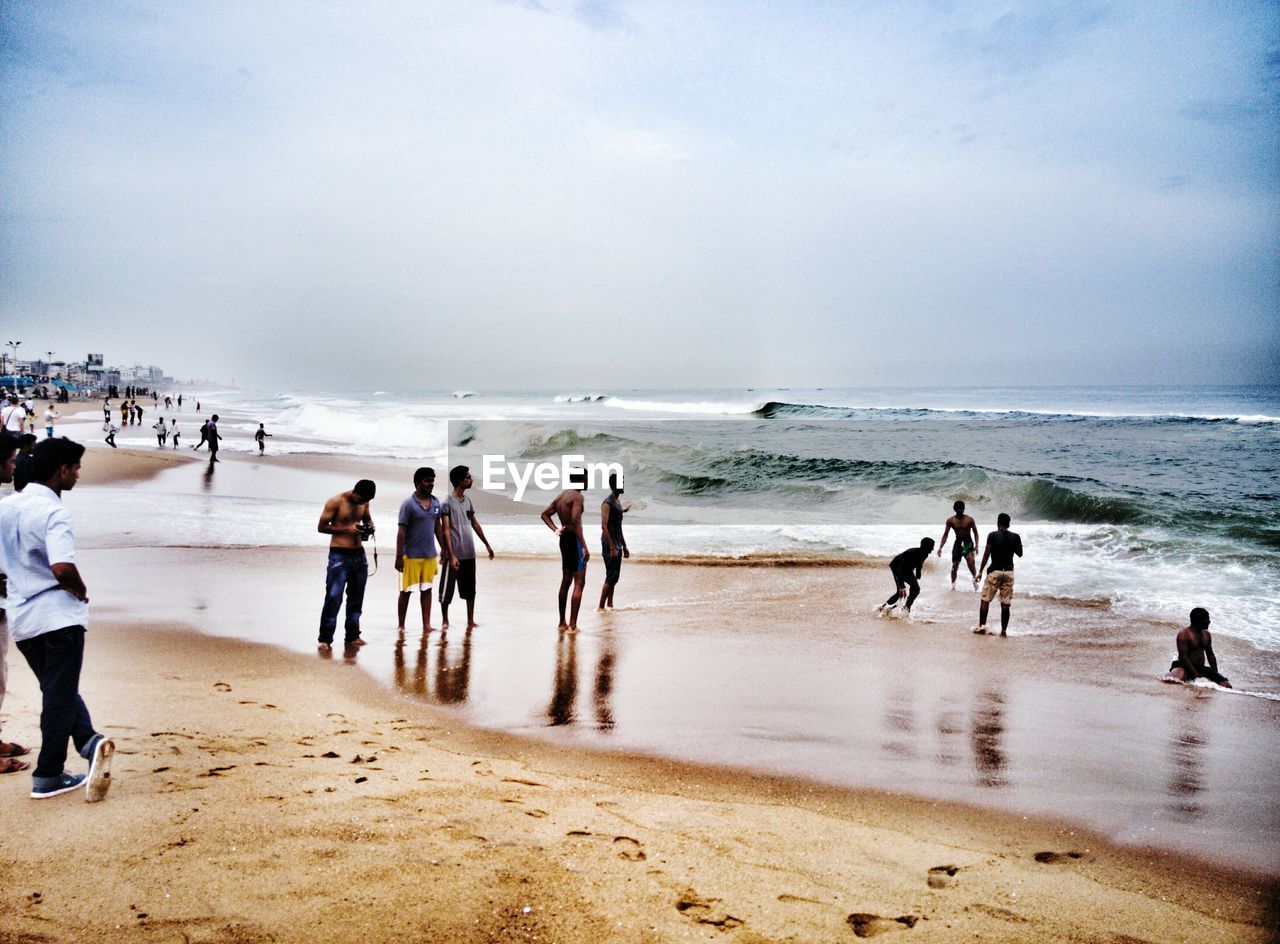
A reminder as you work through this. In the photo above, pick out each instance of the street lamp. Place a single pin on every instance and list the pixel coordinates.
(14, 345)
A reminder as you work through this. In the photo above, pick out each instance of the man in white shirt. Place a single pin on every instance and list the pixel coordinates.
(48, 613)
(13, 416)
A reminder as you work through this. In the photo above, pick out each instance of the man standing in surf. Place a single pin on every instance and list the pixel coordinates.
(966, 545)
(1195, 646)
(574, 555)
(1002, 545)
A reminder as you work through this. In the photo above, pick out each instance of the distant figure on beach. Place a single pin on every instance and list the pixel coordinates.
(49, 612)
(179, 402)
(162, 432)
(124, 412)
(574, 555)
(1195, 647)
(9, 751)
(51, 416)
(261, 436)
(347, 521)
(173, 431)
(137, 413)
(906, 569)
(106, 410)
(417, 531)
(1001, 547)
(460, 527)
(612, 544)
(211, 434)
(966, 530)
(204, 435)
(110, 438)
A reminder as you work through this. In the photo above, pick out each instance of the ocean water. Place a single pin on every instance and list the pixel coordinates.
(1146, 500)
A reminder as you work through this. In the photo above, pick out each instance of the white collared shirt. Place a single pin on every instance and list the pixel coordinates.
(35, 533)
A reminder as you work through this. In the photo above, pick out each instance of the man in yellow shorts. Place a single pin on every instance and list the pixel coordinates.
(417, 537)
(1002, 546)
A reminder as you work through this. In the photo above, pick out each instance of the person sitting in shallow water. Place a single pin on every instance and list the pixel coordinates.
(1195, 646)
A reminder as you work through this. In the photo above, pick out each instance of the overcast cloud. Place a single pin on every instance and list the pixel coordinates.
(617, 194)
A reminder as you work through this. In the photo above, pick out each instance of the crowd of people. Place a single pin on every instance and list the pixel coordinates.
(46, 600)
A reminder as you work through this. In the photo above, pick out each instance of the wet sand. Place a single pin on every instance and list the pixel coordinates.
(685, 767)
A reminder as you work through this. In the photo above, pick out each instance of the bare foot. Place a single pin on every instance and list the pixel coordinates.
(325, 647)
(444, 626)
(356, 642)
(472, 625)
(562, 627)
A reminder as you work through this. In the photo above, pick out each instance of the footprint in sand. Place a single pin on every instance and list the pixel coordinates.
(869, 925)
(1049, 858)
(940, 876)
(704, 910)
(221, 687)
(629, 849)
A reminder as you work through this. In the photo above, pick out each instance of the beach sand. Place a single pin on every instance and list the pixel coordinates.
(264, 793)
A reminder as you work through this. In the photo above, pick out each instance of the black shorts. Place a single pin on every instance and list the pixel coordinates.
(612, 565)
(462, 580)
(960, 550)
(1207, 673)
(571, 557)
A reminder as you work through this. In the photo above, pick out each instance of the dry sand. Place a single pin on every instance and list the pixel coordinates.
(262, 795)
(259, 799)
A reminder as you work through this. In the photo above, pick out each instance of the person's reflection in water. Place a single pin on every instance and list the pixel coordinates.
(1187, 743)
(900, 724)
(349, 653)
(417, 685)
(604, 681)
(986, 736)
(565, 693)
(950, 728)
(208, 478)
(453, 678)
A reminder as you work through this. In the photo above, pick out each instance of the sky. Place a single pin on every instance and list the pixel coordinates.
(544, 194)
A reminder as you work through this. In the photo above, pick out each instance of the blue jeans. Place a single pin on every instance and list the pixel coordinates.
(56, 658)
(347, 569)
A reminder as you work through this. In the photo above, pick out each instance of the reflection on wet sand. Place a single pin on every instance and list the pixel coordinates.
(1188, 741)
(564, 692)
(603, 694)
(986, 736)
(950, 729)
(562, 709)
(900, 723)
(452, 676)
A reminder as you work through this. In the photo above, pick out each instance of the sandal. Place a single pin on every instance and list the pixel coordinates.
(9, 765)
(12, 750)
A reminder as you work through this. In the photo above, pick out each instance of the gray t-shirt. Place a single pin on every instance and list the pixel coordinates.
(457, 513)
(419, 526)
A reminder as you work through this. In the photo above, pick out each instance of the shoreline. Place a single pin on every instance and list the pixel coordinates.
(221, 828)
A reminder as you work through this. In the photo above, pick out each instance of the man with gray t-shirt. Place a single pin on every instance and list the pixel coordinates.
(460, 527)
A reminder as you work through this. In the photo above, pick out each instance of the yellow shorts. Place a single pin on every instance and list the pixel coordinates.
(418, 573)
(998, 580)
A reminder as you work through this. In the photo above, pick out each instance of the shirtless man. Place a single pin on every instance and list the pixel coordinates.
(347, 521)
(1195, 646)
(966, 530)
(574, 555)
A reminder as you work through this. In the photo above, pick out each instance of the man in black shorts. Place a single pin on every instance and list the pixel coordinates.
(574, 555)
(460, 527)
(966, 530)
(1195, 646)
(906, 573)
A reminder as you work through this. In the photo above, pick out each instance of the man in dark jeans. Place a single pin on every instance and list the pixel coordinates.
(347, 521)
(49, 610)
